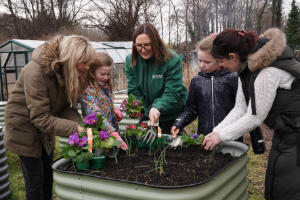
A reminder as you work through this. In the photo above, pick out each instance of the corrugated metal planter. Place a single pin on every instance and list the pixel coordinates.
(228, 184)
(4, 177)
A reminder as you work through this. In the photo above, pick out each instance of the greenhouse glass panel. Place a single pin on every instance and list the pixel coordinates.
(115, 55)
(17, 47)
(6, 48)
(20, 60)
(124, 52)
(3, 58)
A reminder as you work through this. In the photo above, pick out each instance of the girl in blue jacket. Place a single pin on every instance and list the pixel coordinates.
(211, 95)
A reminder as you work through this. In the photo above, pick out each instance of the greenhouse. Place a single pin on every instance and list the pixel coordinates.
(16, 53)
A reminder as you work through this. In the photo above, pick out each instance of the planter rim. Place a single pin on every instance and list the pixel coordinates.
(235, 144)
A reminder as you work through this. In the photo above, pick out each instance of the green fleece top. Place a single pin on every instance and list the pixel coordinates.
(160, 87)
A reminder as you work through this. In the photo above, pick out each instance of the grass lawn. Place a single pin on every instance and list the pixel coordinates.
(256, 166)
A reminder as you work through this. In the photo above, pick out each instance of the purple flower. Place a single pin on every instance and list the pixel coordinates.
(195, 136)
(124, 102)
(135, 103)
(104, 135)
(82, 141)
(91, 119)
(73, 139)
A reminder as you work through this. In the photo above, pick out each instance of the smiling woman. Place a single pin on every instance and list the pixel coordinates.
(154, 74)
(43, 104)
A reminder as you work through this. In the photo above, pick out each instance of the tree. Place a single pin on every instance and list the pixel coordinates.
(276, 13)
(118, 18)
(34, 18)
(293, 26)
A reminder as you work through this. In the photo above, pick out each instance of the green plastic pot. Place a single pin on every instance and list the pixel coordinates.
(82, 165)
(140, 142)
(98, 162)
(98, 152)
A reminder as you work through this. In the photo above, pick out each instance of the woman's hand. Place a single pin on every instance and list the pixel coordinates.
(154, 115)
(211, 140)
(174, 131)
(79, 129)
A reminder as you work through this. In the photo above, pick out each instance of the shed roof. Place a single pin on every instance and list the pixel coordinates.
(117, 50)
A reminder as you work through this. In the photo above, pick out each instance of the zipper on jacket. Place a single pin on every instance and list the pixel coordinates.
(212, 100)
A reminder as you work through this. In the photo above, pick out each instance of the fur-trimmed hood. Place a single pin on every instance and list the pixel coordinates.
(47, 56)
(270, 51)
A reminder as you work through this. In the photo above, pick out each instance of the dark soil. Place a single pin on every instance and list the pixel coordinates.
(183, 166)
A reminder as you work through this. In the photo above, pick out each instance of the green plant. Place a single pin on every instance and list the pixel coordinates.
(132, 106)
(77, 148)
(138, 130)
(160, 161)
(192, 140)
(101, 138)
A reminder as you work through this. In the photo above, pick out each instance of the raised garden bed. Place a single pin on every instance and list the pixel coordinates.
(187, 174)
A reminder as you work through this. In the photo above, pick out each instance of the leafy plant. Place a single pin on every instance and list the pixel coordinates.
(132, 106)
(77, 148)
(192, 140)
(102, 140)
(139, 130)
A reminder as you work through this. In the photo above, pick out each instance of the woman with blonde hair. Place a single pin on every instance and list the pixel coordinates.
(42, 105)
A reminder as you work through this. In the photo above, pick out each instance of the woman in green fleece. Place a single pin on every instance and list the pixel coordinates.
(154, 74)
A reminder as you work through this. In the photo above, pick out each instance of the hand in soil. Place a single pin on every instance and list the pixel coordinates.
(211, 140)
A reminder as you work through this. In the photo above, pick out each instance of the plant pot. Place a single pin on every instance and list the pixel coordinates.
(140, 142)
(98, 162)
(135, 115)
(230, 183)
(112, 153)
(98, 152)
(82, 165)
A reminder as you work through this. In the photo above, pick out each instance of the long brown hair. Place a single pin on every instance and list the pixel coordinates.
(101, 59)
(159, 48)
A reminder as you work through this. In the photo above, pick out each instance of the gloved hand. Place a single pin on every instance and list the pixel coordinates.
(154, 115)
(117, 136)
(118, 115)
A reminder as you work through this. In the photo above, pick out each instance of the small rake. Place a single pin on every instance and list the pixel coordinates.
(151, 134)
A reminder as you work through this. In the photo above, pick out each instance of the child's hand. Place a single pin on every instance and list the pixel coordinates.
(118, 115)
(123, 145)
(174, 131)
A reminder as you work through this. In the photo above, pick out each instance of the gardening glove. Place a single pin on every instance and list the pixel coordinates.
(118, 115)
(117, 136)
(154, 115)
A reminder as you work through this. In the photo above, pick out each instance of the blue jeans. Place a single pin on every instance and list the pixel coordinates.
(38, 176)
